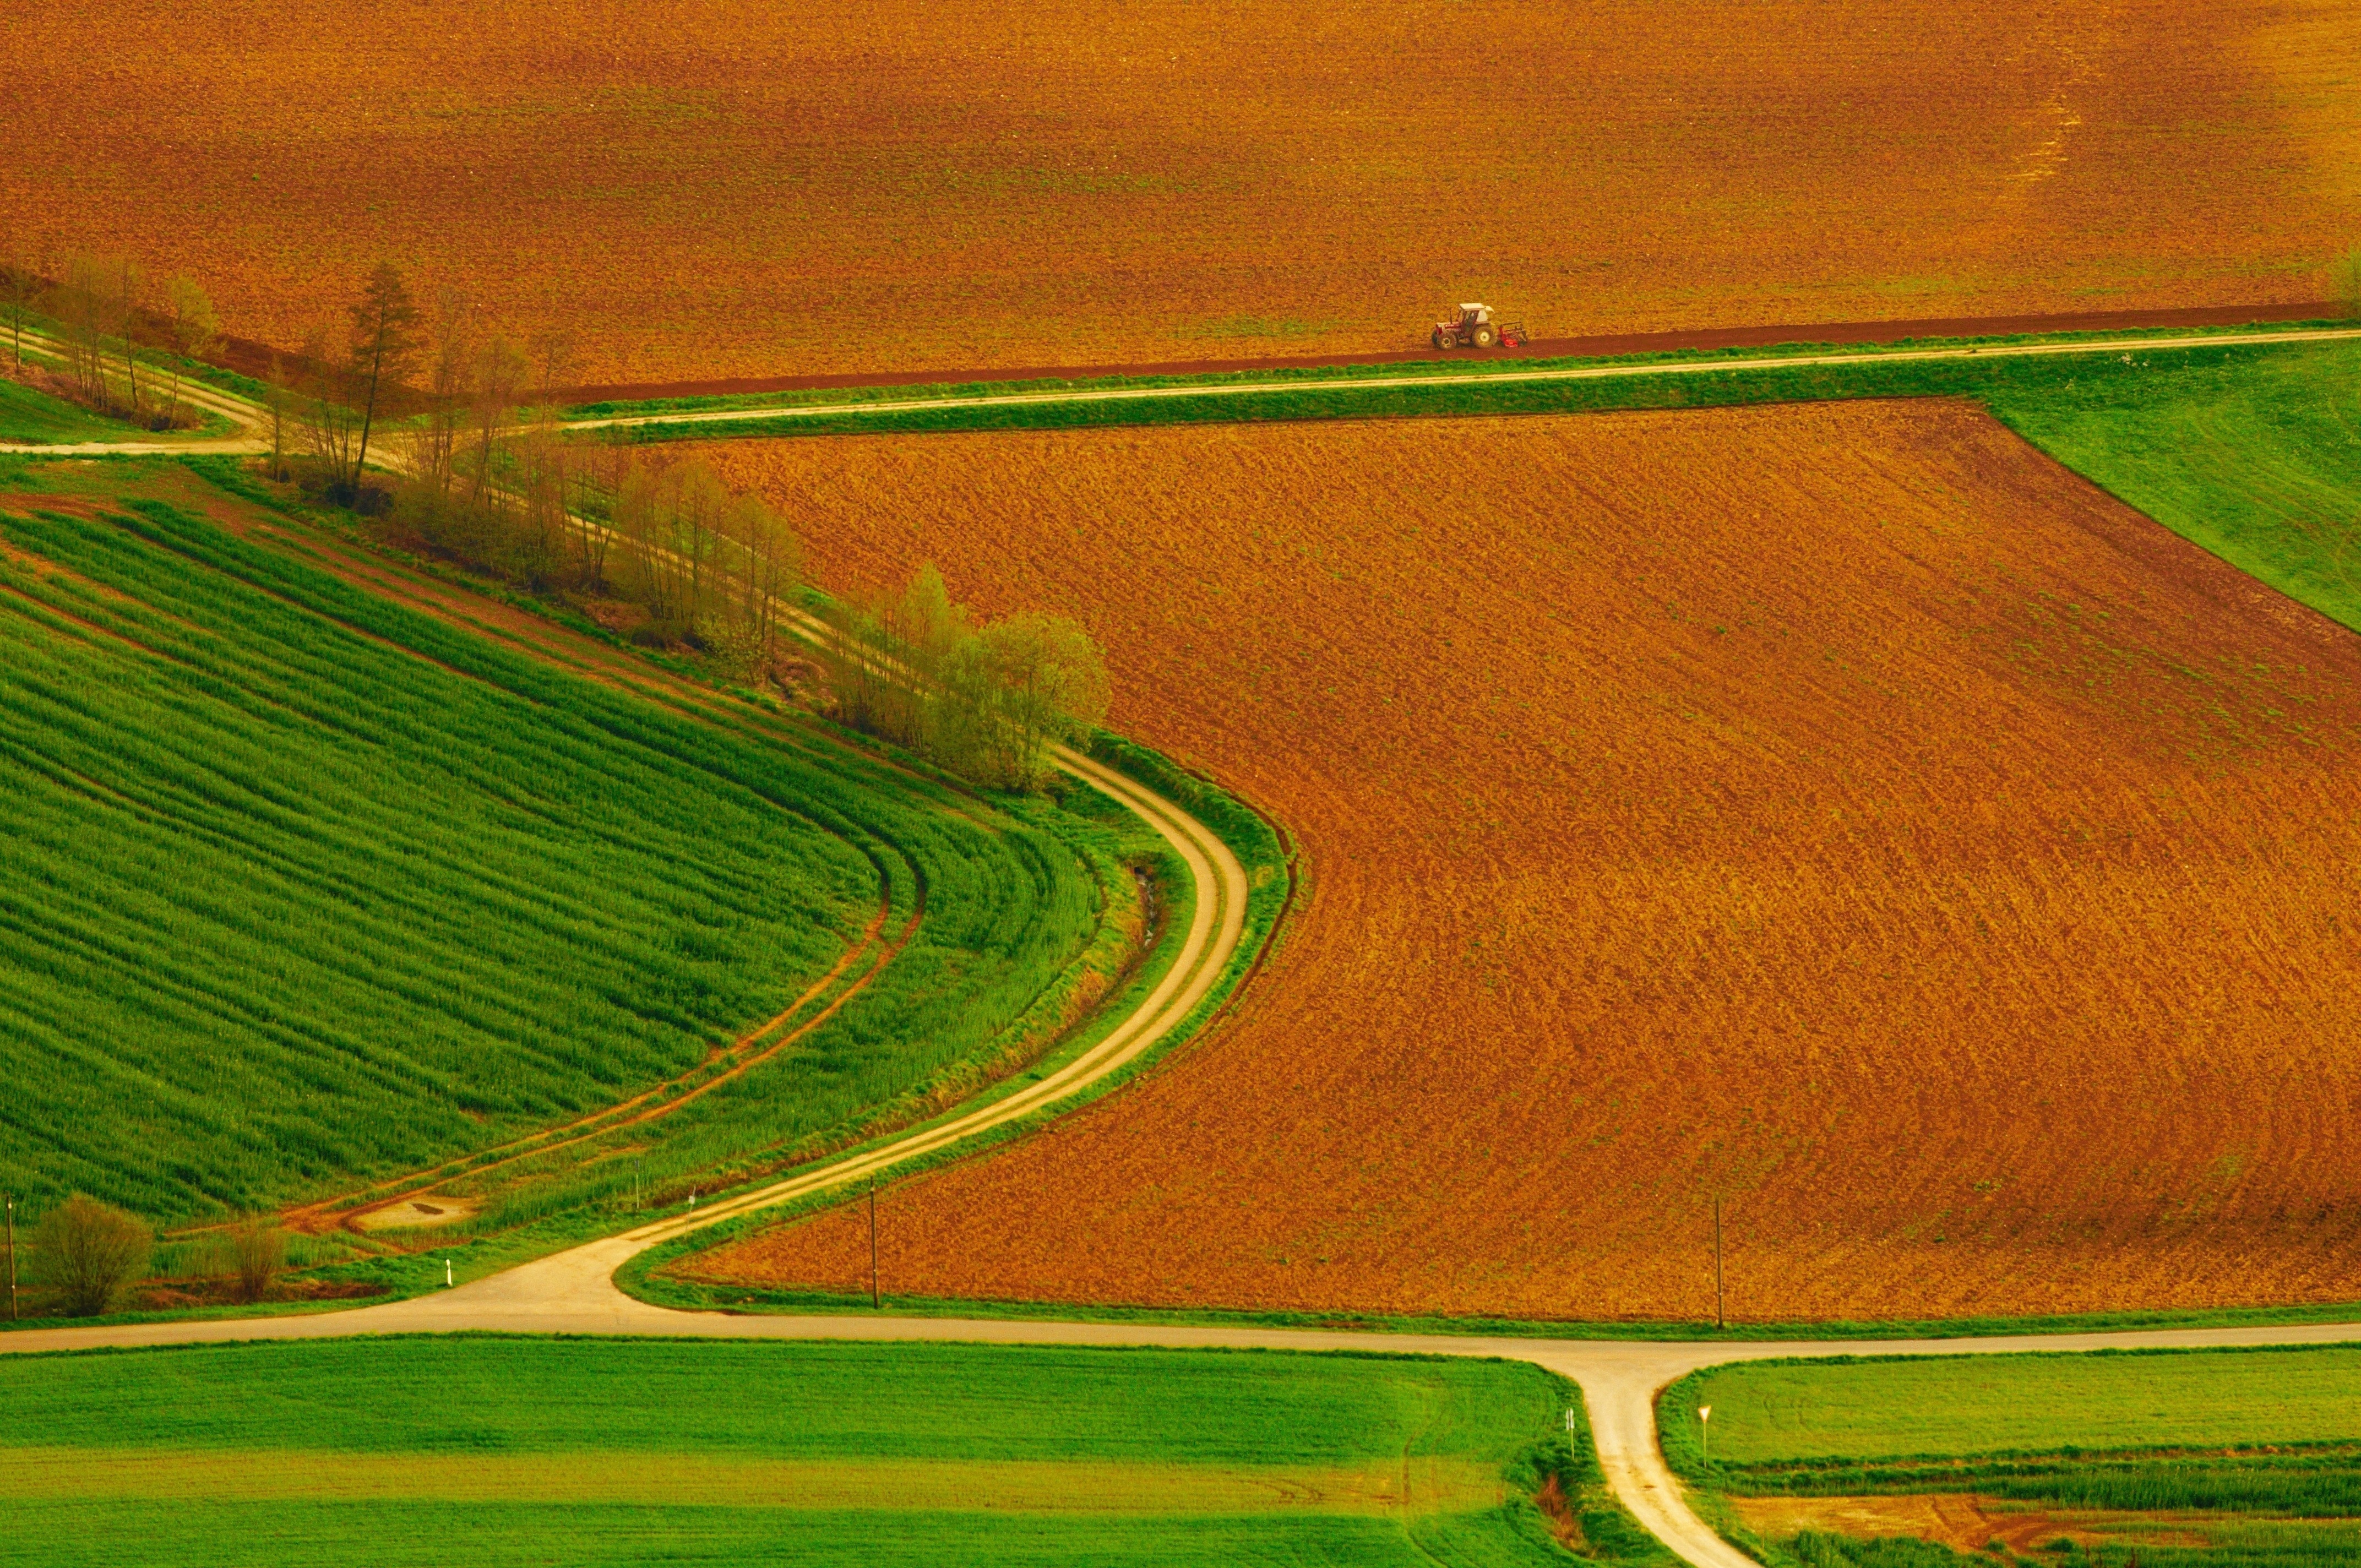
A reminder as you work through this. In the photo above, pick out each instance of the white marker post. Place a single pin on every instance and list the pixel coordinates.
(1704, 1429)
(446, 1274)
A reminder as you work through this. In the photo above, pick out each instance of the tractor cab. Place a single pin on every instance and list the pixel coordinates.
(1473, 328)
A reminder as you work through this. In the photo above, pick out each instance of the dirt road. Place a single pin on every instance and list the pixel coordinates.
(251, 358)
(252, 416)
(1450, 379)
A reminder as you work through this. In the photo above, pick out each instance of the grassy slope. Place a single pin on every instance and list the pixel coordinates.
(430, 945)
(498, 1450)
(2257, 458)
(31, 417)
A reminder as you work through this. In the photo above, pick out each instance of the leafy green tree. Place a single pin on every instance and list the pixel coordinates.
(1051, 687)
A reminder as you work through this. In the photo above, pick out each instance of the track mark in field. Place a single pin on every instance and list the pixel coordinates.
(329, 1213)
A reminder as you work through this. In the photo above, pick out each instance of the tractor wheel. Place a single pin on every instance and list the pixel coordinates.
(1445, 340)
(1484, 337)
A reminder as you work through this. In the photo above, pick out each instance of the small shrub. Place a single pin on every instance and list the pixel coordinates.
(258, 1253)
(90, 1254)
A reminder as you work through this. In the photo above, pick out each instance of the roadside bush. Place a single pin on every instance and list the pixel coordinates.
(257, 1250)
(90, 1254)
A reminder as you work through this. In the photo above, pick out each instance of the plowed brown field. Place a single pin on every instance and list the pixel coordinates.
(1842, 808)
(711, 189)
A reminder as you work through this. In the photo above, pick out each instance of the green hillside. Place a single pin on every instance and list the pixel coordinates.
(300, 886)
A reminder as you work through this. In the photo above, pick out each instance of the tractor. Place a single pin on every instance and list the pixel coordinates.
(1473, 328)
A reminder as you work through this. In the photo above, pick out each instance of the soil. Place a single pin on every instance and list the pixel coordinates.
(419, 1213)
(1963, 1522)
(703, 193)
(1842, 810)
(176, 1294)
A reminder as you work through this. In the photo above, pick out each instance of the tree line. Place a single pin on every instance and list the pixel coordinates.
(492, 480)
(106, 311)
(468, 416)
(983, 700)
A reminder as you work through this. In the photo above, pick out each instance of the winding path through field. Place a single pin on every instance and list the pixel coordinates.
(574, 1292)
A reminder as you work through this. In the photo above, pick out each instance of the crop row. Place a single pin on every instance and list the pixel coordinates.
(303, 886)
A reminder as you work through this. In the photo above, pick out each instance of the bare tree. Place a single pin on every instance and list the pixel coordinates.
(195, 330)
(557, 354)
(496, 376)
(280, 401)
(127, 286)
(385, 349)
(323, 415)
(20, 286)
(770, 565)
(90, 1254)
(449, 382)
(78, 305)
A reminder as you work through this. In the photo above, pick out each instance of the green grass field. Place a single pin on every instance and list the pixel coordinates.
(2255, 458)
(489, 1451)
(31, 417)
(304, 886)
(2183, 1458)
(1999, 1404)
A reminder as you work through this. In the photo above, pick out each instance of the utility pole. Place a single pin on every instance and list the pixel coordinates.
(873, 1298)
(1717, 1265)
(12, 1257)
